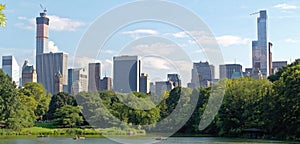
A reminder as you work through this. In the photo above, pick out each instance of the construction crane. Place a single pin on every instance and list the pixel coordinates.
(43, 8)
(254, 13)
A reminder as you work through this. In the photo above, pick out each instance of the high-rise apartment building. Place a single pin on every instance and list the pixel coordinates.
(106, 84)
(28, 73)
(77, 80)
(11, 68)
(227, 70)
(126, 73)
(144, 83)
(52, 63)
(202, 74)
(94, 76)
(49, 65)
(260, 46)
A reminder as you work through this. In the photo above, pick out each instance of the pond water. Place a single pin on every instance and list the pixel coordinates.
(172, 140)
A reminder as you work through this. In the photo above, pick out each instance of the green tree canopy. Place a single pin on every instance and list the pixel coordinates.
(68, 116)
(37, 91)
(59, 100)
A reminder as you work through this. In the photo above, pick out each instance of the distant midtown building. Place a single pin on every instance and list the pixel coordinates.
(126, 73)
(58, 83)
(227, 70)
(175, 78)
(77, 81)
(260, 46)
(237, 75)
(28, 73)
(106, 84)
(276, 65)
(202, 74)
(144, 83)
(11, 68)
(49, 65)
(152, 88)
(162, 86)
(94, 77)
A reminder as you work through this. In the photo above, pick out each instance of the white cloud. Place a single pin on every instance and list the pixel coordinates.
(109, 51)
(180, 35)
(290, 40)
(56, 23)
(136, 34)
(52, 47)
(285, 6)
(228, 40)
(64, 24)
(156, 63)
(141, 31)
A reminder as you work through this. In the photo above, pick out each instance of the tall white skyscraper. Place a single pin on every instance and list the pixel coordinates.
(260, 46)
(126, 73)
(11, 68)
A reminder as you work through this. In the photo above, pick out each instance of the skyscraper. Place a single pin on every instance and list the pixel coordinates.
(77, 80)
(202, 74)
(106, 84)
(94, 76)
(28, 73)
(144, 83)
(11, 68)
(126, 73)
(276, 65)
(52, 63)
(49, 66)
(260, 46)
(227, 70)
(42, 24)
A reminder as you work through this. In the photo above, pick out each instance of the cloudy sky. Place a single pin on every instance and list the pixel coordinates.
(229, 21)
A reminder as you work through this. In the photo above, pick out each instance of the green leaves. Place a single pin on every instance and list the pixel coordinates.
(68, 116)
(2, 16)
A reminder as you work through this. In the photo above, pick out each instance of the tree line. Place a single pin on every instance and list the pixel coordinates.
(271, 105)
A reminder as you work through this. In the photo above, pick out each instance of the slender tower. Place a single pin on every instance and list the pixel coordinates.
(42, 23)
(260, 46)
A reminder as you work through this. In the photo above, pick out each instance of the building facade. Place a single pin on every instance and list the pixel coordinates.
(276, 65)
(227, 70)
(202, 74)
(94, 77)
(11, 68)
(52, 63)
(126, 73)
(260, 46)
(162, 86)
(106, 84)
(144, 83)
(28, 73)
(175, 78)
(77, 80)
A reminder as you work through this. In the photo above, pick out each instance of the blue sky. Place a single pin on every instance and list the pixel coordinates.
(228, 20)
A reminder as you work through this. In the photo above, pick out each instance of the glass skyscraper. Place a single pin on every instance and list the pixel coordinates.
(260, 46)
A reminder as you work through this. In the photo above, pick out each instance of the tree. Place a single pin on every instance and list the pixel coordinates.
(68, 116)
(287, 102)
(37, 91)
(8, 97)
(2, 16)
(59, 100)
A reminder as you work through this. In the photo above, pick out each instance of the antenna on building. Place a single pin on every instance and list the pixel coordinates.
(43, 8)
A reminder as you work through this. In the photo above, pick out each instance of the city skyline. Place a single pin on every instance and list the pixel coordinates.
(136, 31)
